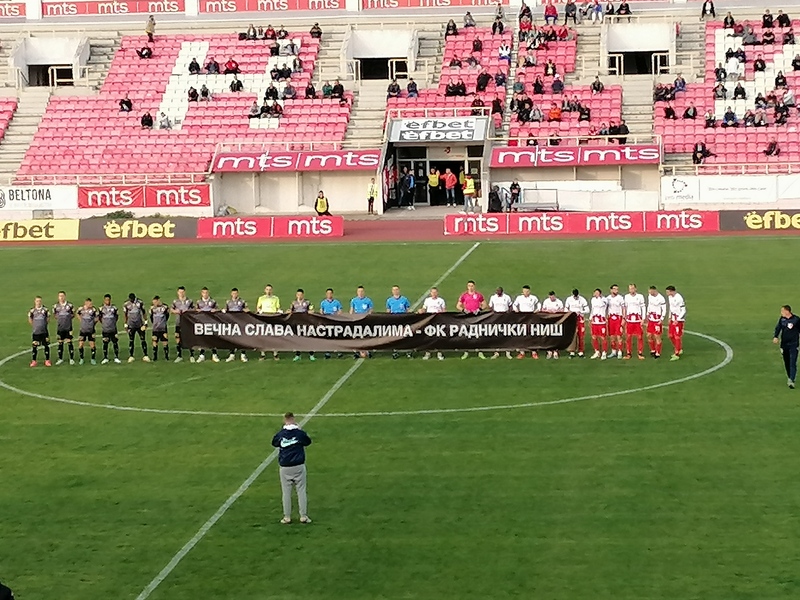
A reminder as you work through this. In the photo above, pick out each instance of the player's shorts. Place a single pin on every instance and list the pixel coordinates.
(655, 327)
(40, 339)
(599, 329)
(633, 328)
(109, 336)
(132, 331)
(676, 328)
(86, 336)
(614, 325)
(160, 336)
(64, 334)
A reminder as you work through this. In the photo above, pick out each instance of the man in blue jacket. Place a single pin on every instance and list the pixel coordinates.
(788, 330)
(291, 442)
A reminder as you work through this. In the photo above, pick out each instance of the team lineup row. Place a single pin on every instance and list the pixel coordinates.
(616, 320)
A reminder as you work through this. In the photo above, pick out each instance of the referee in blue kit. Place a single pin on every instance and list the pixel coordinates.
(787, 332)
(397, 304)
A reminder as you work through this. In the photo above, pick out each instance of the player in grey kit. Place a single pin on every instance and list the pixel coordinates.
(180, 305)
(135, 324)
(109, 317)
(206, 304)
(236, 304)
(159, 316)
(64, 312)
(88, 316)
(301, 305)
(39, 318)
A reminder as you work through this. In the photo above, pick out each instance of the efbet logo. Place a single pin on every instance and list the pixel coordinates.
(137, 230)
(772, 219)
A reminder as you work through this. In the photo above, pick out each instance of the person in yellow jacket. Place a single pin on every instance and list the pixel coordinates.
(469, 194)
(321, 205)
(268, 304)
(150, 28)
(372, 193)
(433, 186)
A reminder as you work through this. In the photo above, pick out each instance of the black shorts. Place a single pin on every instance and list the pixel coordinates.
(133, 331)
(40, 339)
(86, 336)
(64, 334)
(109, 336)
(160, 336)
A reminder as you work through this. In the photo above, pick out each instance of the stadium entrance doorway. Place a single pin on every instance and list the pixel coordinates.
(437, 196)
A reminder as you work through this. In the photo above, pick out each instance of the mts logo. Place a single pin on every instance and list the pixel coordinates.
(476, 224)
(60, 9)
(272, 5)
(370, 4)
(681, 221)
(312, 226)
(110, 197)
(177, 196)
(9, 9)
(324, 5)
(235, 228)
(609, 222)
(220, 6)
(112, 8)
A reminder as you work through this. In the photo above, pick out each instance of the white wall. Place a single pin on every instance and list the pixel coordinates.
(639, 37)
(391, 43)
(51, 50)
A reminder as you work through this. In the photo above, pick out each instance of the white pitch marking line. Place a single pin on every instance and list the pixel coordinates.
(188, 546)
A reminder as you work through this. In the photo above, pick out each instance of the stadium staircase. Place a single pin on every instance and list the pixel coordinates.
(31, 106)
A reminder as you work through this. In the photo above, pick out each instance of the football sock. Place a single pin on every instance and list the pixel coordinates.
(71, 348)
(34, 351)
(105, 350)
(60, 350)
(47, 351)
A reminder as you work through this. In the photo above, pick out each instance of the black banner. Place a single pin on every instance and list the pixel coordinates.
(347, 333)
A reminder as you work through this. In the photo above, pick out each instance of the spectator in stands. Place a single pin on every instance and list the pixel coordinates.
(550, 68)
(255, 111)
(789, 98)
(708, 10)
(316, 31)
(603, 131)
(780, 80)
(700, 153)
(271, 93)
(498, 27)
(525, 11)
(519, 85)
(251, 33)
(150, 29)
(749, 118)
(609, 8)
(284, 73)
(338, 90)
(275, 73)
(550, 35)
(274, 49)
(289, 93)
(212, 67)
(796, 63)
(761, 102)
(624, 10)
(720, 92)
(270, 34)
(482, 81)
(147, 121)
(504, 52)
(739, 92)
(145, 52)
(554, 114)
(772, 98)
(669, 112)
(584, 113)
(767, 20)
(679, 85)
(729, 118)
(720, 74)
(282, 33)
(585, 11)
(557, 85)
(749, 38)
(297, 65)
(455, 63)
(327, 89)
(477, 45)
(311, 93)
(451, 29)
(288, 49)
(710, 119)
(500, 79)
(760, 118)
(125, 105)
(266, 110)
(477, 106)
(192, 94)
(236, 85)
(468, 20)
(690, 112)
(529, 60)
(660, 93)
(768, 38)
(205, 94)
(728, 22)
(788, 38)
(781, 113)
(231, 67)
(759, 64)
(732, 67)
(525, 29)
(411, 89)
(597, 86)
(194, 67)
(550, 13)
(772, 148)
(497, 106)
(783, 19)
(623, 132)
(164, 122)
(571, 104)
(276, 110)
(740, 56)
(554, 139)
(472, 62)
(538, 85)
(571, 12)
(393, 91)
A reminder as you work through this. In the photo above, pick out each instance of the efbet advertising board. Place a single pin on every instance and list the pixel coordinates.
(173, 228)
(40, 230)
(439, 129)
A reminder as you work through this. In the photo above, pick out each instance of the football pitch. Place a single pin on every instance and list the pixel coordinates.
(569, 479)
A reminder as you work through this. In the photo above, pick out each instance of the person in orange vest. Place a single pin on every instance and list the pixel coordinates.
(321, 205)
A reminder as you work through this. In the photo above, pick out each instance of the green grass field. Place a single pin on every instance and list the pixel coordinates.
(681, 491)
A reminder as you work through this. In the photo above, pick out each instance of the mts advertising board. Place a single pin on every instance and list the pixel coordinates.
(596, 224)
(400, 4)
(39, 230)
(279, 161)
(439, 129)
(261, 228)
(521, 157)
(115, 197)
(110, 8)
(38, 197)
(268, 6)
(12, 10)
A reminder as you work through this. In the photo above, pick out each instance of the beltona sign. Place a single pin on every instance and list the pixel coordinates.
(277, 161)
(575, 156)
(439, 129)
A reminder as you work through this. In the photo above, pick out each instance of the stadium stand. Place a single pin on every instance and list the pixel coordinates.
(7, 108)
(741, 144)
(92, 135)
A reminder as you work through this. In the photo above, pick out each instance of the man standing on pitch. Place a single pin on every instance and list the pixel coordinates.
(291, 442)
(787, 332)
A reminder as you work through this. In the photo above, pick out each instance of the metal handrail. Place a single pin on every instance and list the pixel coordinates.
(102, 179)
(444, 111)
(288, 146)
(616, 64)
(20, 79)
(607, 140)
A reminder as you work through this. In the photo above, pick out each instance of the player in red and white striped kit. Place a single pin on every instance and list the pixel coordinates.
(634, 317)
(597, 315)
(656, 311)
(577, 304)
(616, 316)
(677, 318)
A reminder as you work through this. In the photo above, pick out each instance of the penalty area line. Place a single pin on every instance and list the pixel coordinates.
(247, 483)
